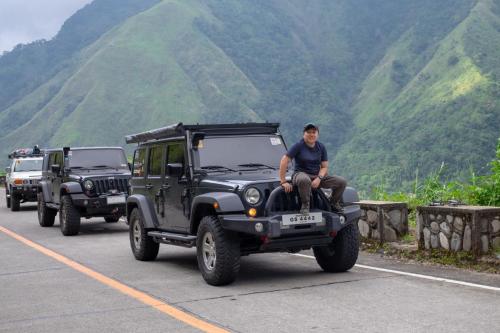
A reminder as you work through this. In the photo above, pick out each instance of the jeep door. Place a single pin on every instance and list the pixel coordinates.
(54, 178)
(138, 179)
(175, 187)
(154, 180)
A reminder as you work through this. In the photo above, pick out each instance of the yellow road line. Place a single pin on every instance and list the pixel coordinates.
(138, 295)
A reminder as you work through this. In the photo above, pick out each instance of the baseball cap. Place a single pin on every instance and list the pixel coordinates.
(309, 126)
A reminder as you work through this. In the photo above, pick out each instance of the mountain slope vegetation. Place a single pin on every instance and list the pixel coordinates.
(396, 86)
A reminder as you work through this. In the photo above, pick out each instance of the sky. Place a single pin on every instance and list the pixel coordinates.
(23, 21)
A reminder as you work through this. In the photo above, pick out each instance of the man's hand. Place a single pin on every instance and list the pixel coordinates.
(287, 187)
(315, 183)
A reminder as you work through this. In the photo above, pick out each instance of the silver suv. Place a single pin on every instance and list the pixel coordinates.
(23, 175)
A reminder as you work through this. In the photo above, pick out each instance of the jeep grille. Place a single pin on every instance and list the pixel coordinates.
(279, 201)
(105, 185)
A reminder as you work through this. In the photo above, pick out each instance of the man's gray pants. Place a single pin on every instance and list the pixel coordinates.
(303, 181)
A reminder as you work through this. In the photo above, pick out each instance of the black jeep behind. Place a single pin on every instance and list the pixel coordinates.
(217, 187)
(82, 182)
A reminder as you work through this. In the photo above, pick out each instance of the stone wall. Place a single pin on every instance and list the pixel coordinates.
(458, 228)
(390, 217)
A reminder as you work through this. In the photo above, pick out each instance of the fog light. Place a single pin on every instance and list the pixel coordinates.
(85, 202)
(252, 212)
(259, 227)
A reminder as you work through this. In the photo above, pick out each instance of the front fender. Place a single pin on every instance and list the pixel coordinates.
(46, 189)
(146, 209)
(227, 202)
(71, 188)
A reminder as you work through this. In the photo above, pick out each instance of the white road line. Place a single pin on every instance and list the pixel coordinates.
(420, 276)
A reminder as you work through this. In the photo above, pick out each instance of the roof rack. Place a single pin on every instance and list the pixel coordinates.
(26, 152)
(180, 129)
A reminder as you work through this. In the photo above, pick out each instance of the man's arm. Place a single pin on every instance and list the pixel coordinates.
(285, 160)
(283, 166)
(323, 169)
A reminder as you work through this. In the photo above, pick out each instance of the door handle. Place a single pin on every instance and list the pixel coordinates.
(165, 187)
(148, 186)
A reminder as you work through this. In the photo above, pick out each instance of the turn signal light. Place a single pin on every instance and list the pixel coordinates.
(18, 181)
(252, 212)
(216, 205)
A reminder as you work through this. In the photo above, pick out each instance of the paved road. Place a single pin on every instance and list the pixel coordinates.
(274, 292)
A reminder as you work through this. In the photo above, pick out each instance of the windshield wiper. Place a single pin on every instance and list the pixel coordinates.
(256, 165)
(217, 168)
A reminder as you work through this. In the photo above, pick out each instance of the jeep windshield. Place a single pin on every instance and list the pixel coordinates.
(230, 153)
(97, 159)
(28, 165)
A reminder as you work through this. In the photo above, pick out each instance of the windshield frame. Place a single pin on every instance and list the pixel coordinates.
(95, 164)
(198, 165)
(20, 161)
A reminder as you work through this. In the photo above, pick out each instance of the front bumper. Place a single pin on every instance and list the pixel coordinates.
(273, 229)
(99, 206)
(25, 192)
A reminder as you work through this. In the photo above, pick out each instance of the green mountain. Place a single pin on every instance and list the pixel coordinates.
(396, 85)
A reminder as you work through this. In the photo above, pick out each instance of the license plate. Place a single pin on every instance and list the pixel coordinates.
(295, 219)
(119, 199)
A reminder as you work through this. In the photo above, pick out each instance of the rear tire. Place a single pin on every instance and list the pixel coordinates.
(112, 219)
(69, 217)
(46, 216)
(341, 255)
(15, 203)
(143, 246)
(218, 252)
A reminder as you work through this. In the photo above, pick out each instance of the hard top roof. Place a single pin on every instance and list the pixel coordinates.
(179, 129)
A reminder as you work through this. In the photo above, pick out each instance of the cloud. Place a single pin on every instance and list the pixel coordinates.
(28, 20)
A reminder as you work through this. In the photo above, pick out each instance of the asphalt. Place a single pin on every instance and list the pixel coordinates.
(273, 293)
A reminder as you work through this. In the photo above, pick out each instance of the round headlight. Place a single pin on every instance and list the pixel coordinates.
(88, 184)
(252, 195)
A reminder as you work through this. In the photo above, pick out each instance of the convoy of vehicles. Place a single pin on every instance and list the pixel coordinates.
(212, 187)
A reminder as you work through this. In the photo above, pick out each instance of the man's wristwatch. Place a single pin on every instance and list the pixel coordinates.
(321, 177)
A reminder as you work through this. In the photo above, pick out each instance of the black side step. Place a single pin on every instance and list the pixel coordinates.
(174, 239)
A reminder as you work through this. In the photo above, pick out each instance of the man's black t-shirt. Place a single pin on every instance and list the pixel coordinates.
(308, 159)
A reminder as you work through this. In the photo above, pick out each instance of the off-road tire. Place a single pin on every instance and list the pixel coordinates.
(111, 219)
(46, 215)
(143, 246)
(341, 255)
(227, 252)
(15, 203)
(69, 217)
(7, 199)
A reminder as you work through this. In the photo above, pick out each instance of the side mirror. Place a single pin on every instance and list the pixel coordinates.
(174, 169)
(7, 169)
(55, 168)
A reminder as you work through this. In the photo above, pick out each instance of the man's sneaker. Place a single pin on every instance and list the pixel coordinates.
(336, 207)
(304, 209)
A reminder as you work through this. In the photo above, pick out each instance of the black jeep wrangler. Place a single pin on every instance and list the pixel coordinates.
(82, 182)
(217, 187)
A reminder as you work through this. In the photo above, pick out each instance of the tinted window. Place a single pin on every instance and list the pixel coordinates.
(28, 165)
(154, 165)
(175, 153)
(139, 159)
(97, 158)
(232, 151)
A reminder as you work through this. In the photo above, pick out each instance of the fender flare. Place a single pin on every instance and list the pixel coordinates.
(146, 209)
(228, 202)
(71, 188)
(43, 187)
